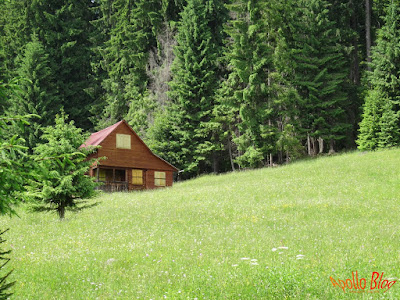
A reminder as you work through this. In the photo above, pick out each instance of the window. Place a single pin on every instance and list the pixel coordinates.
(137, 177)
(159, 178)
(102, 175)
(119, 175)
(105, 175)
(123, 141)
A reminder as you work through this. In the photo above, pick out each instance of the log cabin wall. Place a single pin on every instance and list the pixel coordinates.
(150, 184)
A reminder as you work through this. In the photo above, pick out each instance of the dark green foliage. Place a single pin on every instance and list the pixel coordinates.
(319, 74)
(37, 92)
(132, 26)
(193, 84)
(63, 29)
(247, 89)
(4, 285)
(16, 25)
(61, 167)
(253, 82)
(380, 126)
(13, 172)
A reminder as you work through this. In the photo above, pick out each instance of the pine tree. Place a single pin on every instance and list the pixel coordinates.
(37, 93)
(133, 29)
(193, 85)
(61, 168)
(319, 75)
(16, 23)
(64, 30)
(247, 90)
(379, 127)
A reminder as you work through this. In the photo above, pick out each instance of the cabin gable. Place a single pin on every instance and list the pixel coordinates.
(138, 156)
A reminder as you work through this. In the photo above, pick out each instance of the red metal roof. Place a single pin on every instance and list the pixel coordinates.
(96, 138)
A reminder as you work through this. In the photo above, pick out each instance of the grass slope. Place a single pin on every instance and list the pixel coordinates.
(213, 237)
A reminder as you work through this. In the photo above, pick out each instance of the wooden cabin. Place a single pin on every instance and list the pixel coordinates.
(129, 164)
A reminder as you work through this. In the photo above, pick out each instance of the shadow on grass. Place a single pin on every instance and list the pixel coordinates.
(79, 205)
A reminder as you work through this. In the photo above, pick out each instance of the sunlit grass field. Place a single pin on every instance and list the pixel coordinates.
(269, 233)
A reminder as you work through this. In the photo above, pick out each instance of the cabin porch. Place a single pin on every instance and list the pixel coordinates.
(113, 179)
(117, 179)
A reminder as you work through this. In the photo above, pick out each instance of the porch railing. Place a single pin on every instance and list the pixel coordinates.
(116, 186)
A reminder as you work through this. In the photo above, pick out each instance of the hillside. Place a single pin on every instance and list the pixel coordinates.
(216, 236)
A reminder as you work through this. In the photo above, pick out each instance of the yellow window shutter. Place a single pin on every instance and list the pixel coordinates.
(159, 178)
(137, 177)
(123, 141)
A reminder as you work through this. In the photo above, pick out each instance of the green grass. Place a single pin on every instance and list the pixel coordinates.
(342, 213)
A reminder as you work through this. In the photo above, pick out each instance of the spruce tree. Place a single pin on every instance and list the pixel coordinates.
(64, 29)
(319, 75)
(194, 83)
(61, 178)
(37, 93)
(247, 90)
(379, 127)
(132, 34)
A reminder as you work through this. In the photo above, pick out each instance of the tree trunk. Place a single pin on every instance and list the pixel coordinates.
(215, 162)
(321, 145)
(271, 161)
(61, 210)
(368, 31)
(331, 145)
(230, 153)
(355, 70)
(309, 145)
(313, 146)
(280, 157)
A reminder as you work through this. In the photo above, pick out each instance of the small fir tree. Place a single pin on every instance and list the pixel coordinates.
(61, 179)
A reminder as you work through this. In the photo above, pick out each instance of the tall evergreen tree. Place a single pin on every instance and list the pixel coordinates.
(37, 93)
(194, 82)
(247, 90)
(133, 29)
(17, 25)
(381, 118)
(64, 29)
(319, 75)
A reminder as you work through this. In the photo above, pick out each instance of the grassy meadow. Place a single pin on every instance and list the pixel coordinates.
(269, 233)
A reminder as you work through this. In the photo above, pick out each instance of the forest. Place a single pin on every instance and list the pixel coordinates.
(209, 85)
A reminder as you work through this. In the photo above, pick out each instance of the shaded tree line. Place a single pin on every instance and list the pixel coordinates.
(210, 85)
